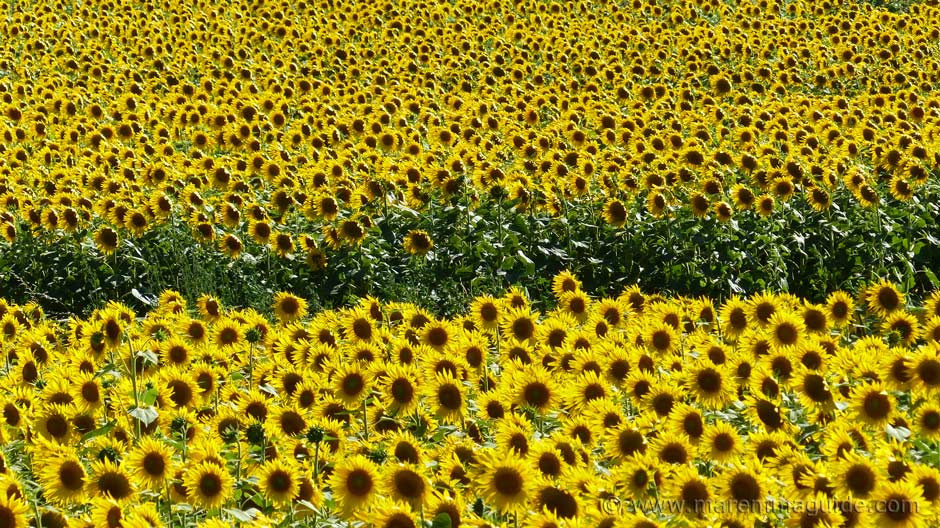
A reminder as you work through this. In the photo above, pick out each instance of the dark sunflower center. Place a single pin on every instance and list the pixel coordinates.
(293, 423)
(559, 502)
(877, 405)
(899, 507)
(279, 481)
(409, 484)
(114, 484)
(860, 479)
(536, 394)
(359, 482)
(71, 475)
(694, 496)
(709, 380)
(210, 485)
(507, 481)
(449, 396)
(154, 464)
(745, 488)
(723, 442)
(402, 391)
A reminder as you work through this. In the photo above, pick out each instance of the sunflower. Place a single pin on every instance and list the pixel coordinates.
(106, 513)
(786, 330)
(575, 304)
(446, 397)
(278, 481)
(111, 480)
(691, 493)
(400, 388)
(288, 307)
(351, 384)
(437, 335)
(387, 513)
(745, 488)
(485, 312)
(661, 338)
(872, 404)
(733, 317)
(53, 422)
(228, 333)
(418, 242)
(151, 463)
(709, 384)
(442, 504)
(286, 421)
(884, 298)
(764, 205)
(900, 505)
(565, 282)
(519, 323)
(354, 483)
(63, 478)
(720, 442)
(358, 325)
(107, 241)
(856, 477)
(209, 484)
(819, 510)
(534, 387)
(505, 482)
(407, 483)
(925, 370)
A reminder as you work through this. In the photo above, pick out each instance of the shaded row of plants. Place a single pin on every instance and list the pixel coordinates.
(497, 243)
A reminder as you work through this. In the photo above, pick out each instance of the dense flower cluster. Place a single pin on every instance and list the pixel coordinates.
(292, 127)
(635, 411)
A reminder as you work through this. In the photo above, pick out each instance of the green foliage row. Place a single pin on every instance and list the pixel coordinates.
(494, 244)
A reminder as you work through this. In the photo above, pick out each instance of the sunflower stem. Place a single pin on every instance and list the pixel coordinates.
(133, 372)
(365, 421)
(316, 463)
(251, 363)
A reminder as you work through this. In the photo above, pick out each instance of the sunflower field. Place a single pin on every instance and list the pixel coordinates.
(425, 264)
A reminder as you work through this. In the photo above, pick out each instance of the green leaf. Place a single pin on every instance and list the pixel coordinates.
(150, 396)
(101, 431)
(147, 415)
(441, 521)
(239, 515)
